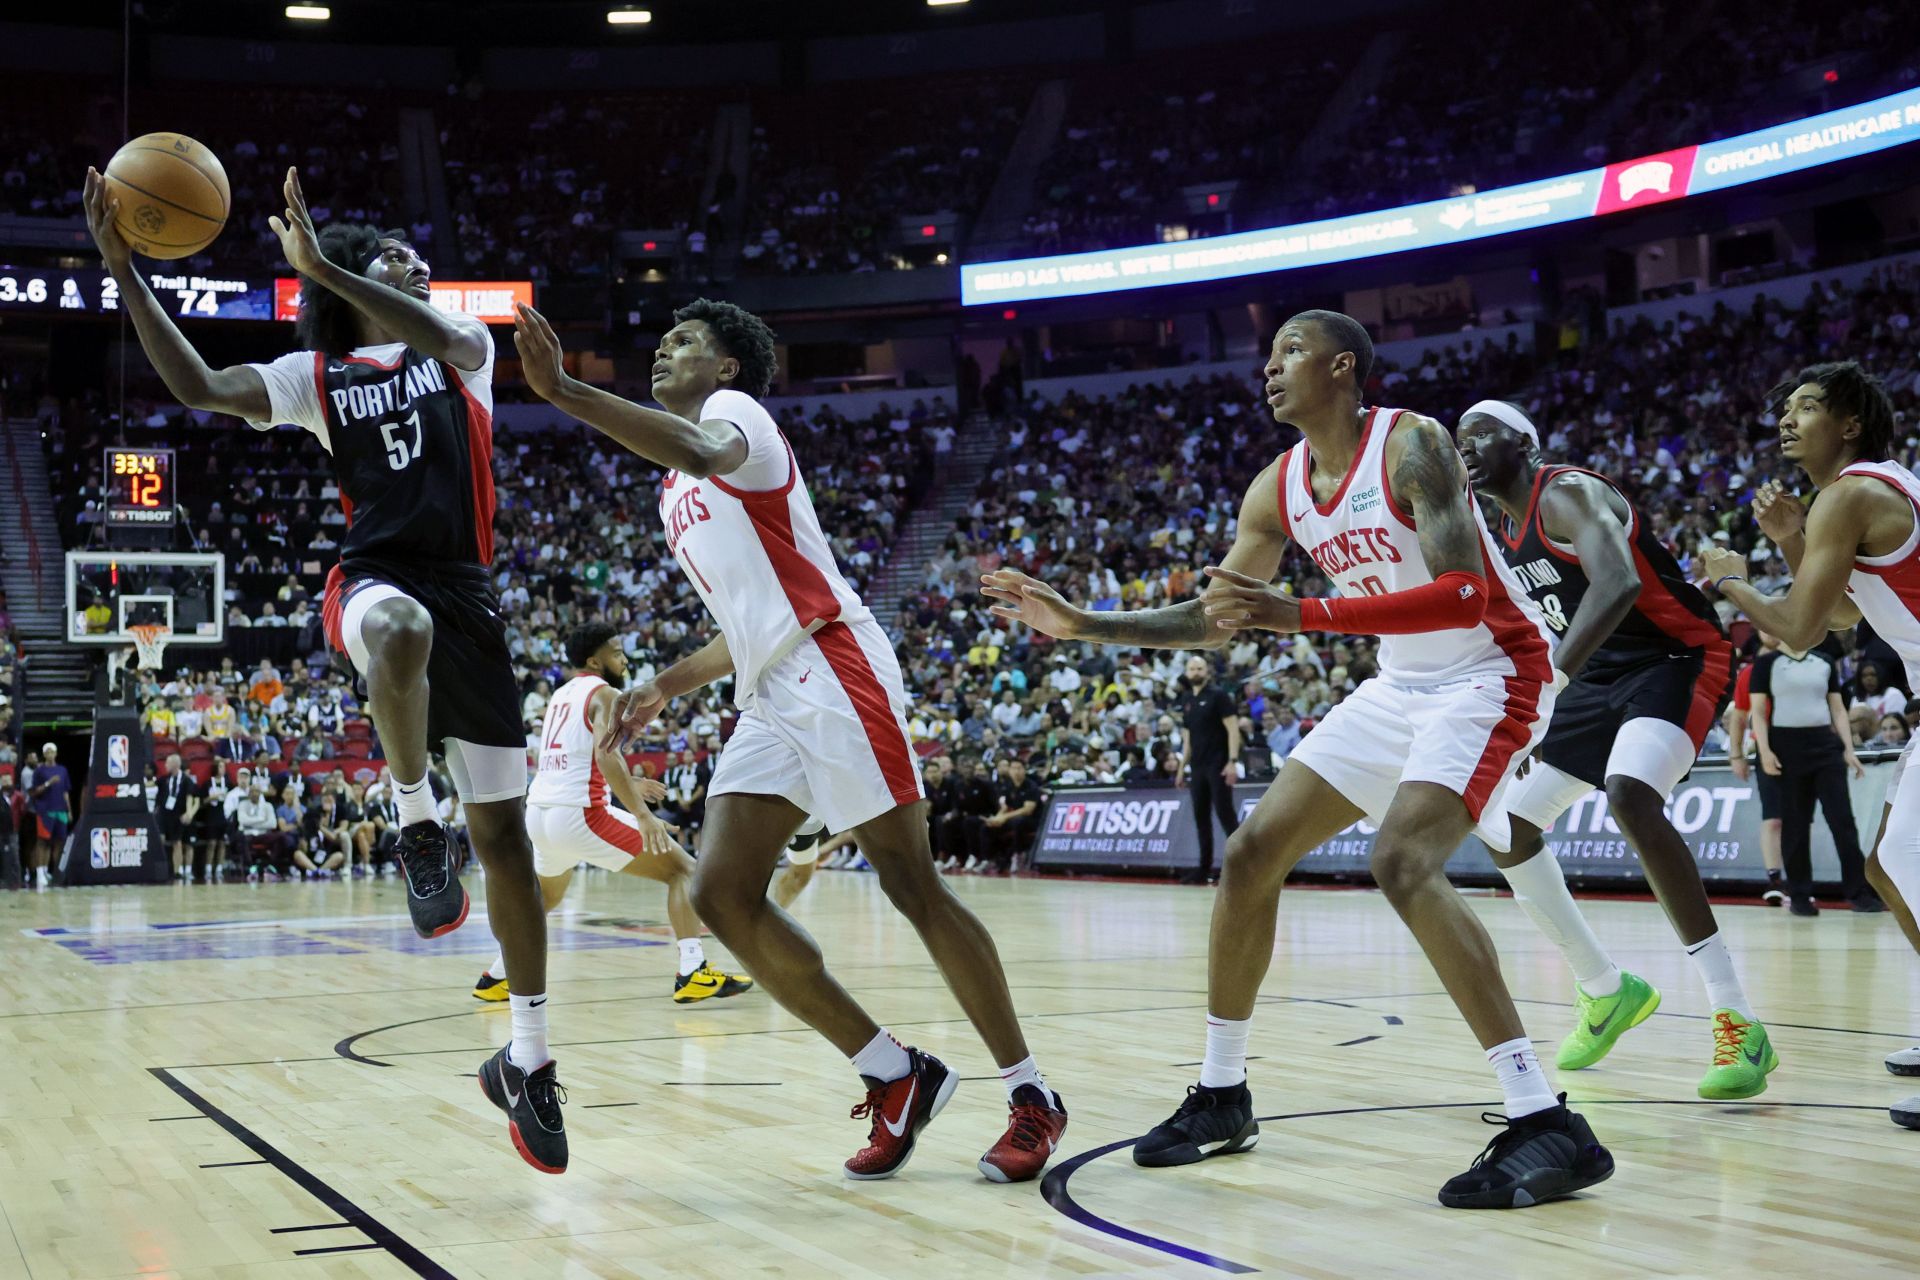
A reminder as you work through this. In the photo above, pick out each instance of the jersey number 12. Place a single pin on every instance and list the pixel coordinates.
(399, 452)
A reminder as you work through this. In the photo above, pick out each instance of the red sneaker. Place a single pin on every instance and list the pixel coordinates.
(1033, 1133)
(900, 1110)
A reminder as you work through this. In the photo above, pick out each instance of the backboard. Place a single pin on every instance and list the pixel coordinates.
(183, 591)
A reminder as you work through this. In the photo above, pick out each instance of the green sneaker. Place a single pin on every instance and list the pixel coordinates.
(1604, 1019)
(1742, 1058)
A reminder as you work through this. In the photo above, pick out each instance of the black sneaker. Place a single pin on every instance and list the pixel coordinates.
(1803, 907)
(1866, 902)
(1775, 896)
(1906, 1113)
(1534, 1159)
(1211, 1122)
(532, 1101)
(435, 898)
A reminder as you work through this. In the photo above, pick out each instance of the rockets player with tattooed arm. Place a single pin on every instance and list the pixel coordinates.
(1855, 553)
(570, 820)
(1649, 667)
(1425, 749)
(400, 396)
(821, 729)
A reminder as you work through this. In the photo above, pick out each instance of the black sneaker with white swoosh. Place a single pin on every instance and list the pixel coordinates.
(1210, 1122)
(532, 1101)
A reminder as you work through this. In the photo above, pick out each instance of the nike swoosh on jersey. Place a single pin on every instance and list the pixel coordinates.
(906, 1109)
(805, 674)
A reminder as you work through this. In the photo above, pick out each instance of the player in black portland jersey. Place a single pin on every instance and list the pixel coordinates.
(1648, 668)
(400, 396)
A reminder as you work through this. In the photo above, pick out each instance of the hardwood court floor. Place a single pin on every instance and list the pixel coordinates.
(276, 1081)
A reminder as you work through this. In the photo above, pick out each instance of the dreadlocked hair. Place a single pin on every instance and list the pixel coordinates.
(585, 640)
(1851, 392)
(327, 321)
(742, 335)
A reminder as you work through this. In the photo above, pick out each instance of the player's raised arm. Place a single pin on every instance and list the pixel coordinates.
(636, 706)
(666, 439)
(1258, 543)
(1575, 508)
(407, 319)
(238, 390)
(1783, 518)
(1803, 616)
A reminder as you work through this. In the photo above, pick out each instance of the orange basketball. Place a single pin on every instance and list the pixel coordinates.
(172, 192)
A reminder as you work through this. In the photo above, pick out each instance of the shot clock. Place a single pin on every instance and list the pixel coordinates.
(139, 485)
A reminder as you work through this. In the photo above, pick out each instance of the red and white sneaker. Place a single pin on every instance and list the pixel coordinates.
(900, 1110)
(1032, 1136)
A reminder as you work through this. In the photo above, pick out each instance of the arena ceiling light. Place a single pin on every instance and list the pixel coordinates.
(309, 12)
(629, 17)
(942, 4)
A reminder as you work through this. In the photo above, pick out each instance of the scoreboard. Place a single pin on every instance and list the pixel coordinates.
(255, 295)
(139, 487)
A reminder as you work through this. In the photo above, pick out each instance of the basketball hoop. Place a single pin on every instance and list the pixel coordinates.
(150, 639)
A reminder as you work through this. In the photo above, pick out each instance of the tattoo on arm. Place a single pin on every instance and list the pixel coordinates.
(1431, 477)
(1180, 626)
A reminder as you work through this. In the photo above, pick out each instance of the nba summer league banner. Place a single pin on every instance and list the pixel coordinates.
(1151, 828)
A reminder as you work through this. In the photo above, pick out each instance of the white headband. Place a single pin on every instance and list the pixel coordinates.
(1504, 412)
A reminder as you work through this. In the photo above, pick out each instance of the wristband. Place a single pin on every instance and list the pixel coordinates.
(1728, 577)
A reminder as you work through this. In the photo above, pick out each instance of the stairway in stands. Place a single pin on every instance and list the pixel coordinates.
(958, 476)
(58, 680)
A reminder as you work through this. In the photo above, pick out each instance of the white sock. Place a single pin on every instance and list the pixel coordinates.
(1715, 963)
(415, 801)
(1541, 890)
(1226, 1062)
(883, 1059)
(498, 969)
(529, 1048)
(1521, 1078)
(691, 956)
(1025, 1072)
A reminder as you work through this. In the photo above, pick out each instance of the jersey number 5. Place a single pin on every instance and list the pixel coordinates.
(399, 452)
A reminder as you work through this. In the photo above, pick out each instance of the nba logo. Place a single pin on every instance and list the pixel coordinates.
(101, 848)
(117, 756)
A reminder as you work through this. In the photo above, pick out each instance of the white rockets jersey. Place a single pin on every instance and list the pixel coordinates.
(568, 773)
(756, 555)
(1886, 589)
(1365, 543)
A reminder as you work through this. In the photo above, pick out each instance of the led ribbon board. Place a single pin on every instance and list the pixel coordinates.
(1632, 184)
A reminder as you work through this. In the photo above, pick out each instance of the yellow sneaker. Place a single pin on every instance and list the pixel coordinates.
(708, 983)
(490, 988)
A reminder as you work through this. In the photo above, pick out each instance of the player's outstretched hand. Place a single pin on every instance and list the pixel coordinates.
(632, 709)
(1236, 602)
(299, 242)
(1779, 514)
(656, 834)
(651, 790)
(101, 210)
(1029, 600)
(540, 351)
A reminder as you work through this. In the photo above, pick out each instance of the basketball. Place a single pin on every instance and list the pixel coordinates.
(172, 192)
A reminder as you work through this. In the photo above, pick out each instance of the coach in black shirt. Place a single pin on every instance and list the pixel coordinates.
(1210, 743)
(176, 804)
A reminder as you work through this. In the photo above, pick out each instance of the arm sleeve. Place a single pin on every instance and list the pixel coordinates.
(1762, 682)
(767, 465)
(1833, 679)
(1450, 602)
(293, 392)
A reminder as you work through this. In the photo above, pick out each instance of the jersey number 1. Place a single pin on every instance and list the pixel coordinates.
(399, 452)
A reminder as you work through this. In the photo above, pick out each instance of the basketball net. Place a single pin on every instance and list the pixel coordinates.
(150, 640)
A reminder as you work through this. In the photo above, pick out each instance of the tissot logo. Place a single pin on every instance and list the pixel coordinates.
(1114, 817)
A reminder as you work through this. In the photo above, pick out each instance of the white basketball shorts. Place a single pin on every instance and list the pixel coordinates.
(565, 836)
(1467, 735)
(826, 728)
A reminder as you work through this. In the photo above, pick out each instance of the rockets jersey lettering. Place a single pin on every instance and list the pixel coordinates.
(568, 773)
(1887, 588)
(1669, 617)
(758, 557)
(1365, 543)
(411, 440)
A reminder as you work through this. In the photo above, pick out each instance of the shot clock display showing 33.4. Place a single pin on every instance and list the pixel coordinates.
(139, 486)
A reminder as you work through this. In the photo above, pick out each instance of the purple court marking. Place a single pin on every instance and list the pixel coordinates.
(222, 942)
(1053, 1189)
